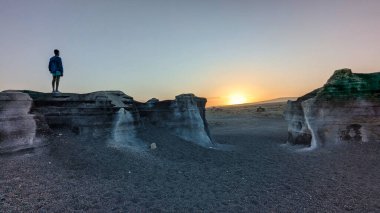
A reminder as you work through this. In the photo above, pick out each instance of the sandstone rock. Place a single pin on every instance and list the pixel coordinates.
(105, 113)
(152, 101)
(124, 131)
(184, 116)
(92, 112)
(17, 125)
(345, 109)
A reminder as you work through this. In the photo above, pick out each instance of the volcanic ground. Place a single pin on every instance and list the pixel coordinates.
(252, 170)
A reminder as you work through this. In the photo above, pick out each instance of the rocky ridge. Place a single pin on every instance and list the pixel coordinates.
(26, 117)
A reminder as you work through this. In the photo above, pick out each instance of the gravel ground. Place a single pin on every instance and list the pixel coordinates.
(258, 173)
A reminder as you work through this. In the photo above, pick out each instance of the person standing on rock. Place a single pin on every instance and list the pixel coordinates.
(56, 69)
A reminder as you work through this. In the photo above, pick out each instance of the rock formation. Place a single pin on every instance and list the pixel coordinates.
(260, 109)
(27, 116)
(17, 125)
(185, 116)
(345, 109)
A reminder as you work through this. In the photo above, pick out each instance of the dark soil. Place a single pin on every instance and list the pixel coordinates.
(259, 174)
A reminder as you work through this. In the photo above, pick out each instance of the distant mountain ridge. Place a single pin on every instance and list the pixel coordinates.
(276, 100)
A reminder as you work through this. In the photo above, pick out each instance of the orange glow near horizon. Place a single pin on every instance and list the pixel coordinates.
(237, 99)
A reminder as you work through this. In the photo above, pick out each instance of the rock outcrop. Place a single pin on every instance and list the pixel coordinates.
(345, 109)
(17, 126)
(184, 116)
(260, 109)
(26, 116)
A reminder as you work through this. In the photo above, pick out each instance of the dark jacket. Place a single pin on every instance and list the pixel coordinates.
(55, 64)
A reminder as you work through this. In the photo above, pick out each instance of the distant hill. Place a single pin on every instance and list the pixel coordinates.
(276, 100)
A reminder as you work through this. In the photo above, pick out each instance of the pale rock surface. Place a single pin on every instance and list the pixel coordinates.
(345, 109)
(153, 146)
(17, 125)
(25, 114)
(184, 116)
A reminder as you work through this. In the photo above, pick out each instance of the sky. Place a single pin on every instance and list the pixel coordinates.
(247, 50)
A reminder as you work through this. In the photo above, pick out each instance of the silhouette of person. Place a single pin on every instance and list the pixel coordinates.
(56, 69)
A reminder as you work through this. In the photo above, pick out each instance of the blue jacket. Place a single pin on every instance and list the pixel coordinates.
(55, 64)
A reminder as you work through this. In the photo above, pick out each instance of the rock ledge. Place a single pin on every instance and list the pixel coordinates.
(27, 116)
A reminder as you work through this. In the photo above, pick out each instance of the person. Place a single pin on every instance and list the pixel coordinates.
(56, 69)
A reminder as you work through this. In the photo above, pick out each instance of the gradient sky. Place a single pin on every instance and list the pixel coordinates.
(160, 48)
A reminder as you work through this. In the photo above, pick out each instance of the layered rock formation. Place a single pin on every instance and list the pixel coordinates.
(17, 126)
(26, 116)
(185, 116)
(345, 109)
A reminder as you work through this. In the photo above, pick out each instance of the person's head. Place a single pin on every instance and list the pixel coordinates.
(56, 52)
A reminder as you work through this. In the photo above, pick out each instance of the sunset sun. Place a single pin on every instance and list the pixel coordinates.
(237, 99)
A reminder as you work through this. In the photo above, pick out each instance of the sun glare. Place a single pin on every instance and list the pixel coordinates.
(237, 99)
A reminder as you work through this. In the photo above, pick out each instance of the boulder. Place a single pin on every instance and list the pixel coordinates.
(345, 109)
(260, 109)
(153, 146)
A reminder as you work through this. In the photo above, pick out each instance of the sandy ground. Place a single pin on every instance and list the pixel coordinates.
(253, 172)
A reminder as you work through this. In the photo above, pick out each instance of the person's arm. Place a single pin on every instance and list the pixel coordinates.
(49, 65)
(60, 66)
